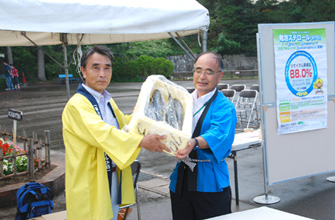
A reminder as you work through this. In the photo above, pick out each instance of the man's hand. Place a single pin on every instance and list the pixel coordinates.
(152, 142)
(181, 154)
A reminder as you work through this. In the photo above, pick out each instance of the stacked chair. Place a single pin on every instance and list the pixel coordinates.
(256, 87)
(246, 108)
(246, 104)
(229, 93)
(222, 86)
(238, 88)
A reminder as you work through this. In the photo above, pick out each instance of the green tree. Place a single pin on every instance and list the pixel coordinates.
(227, 47)
(25, 60)
(236, 20)
(314, 10)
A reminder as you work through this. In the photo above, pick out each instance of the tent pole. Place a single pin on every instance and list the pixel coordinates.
(182, 47)
(204, 41)
(66, 66)
(39, 47)
(184, 43)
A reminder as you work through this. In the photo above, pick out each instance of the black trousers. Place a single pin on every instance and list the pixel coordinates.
(191, 205)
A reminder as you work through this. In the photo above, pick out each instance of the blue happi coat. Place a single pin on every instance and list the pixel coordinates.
(218, 129)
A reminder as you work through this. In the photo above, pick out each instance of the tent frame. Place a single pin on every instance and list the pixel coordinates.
(63, 39)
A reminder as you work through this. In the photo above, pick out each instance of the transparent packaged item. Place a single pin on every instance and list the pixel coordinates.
(163, 108)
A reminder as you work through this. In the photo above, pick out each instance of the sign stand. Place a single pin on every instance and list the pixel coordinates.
(266, 199)
(14, 132)
(16, 116)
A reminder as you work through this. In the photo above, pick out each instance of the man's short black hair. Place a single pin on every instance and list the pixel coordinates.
(103, 50)
(217, 56)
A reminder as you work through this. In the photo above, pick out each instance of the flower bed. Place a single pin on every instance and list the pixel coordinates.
(21, 161)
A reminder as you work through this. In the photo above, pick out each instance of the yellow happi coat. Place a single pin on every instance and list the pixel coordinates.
(86, 138)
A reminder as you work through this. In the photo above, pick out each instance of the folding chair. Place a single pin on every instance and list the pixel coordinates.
(135, 169)
(222, 86)
(246, 107)
(255, 87)
(238, 88)
(229, 93)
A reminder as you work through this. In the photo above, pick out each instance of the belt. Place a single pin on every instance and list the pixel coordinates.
(113, 169)
(191, 163)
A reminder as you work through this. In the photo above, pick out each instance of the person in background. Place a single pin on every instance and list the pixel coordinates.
(200, 187)
(16, 77)
(8, 74)
(94, 142)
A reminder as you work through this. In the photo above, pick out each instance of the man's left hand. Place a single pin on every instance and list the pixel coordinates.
(181, 154)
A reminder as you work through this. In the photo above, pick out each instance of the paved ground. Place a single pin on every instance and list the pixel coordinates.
(312, 197)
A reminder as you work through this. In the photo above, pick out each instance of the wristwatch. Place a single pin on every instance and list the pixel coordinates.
(196, 146)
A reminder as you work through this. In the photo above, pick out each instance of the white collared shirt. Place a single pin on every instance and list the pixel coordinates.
(102, 100)
(198, 103)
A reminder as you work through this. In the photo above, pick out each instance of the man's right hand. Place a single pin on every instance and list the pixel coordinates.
(152, 142)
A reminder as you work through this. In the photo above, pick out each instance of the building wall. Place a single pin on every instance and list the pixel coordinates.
(183, 64)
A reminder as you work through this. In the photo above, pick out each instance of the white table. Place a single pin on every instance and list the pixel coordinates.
(243, 141)
(262, 213)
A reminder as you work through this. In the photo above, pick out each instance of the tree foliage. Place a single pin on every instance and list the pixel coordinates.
(133, 61)
(233, 28)
(237, 20)
(137, 70)
(227, 47)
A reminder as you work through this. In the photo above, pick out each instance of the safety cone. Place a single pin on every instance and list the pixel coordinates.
(24, 81)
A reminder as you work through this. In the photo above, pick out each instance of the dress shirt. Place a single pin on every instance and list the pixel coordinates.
(102, 100)
(199, 103)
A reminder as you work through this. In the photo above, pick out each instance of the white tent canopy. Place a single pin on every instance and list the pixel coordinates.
(84, 22)
(97, 21)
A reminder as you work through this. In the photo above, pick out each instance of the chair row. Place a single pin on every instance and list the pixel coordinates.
(245, 100)
(231, 91)
(246, 104)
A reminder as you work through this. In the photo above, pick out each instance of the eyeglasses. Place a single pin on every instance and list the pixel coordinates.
(207, 72)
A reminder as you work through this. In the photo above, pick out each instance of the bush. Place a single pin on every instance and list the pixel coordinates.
(145, 65)
(166, 68)
(132, 69)
(137, 70)
(125, 71)
(3, 84)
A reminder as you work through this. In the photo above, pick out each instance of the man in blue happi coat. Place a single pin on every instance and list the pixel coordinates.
(199, 187)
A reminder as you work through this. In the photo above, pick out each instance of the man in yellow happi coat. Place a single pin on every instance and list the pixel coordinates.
(98, 154)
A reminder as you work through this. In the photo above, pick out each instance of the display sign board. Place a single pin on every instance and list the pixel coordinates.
(301, 79)
(289, 70)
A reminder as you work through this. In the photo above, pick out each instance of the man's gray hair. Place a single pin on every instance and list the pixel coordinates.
(103, 50)
(217, 56)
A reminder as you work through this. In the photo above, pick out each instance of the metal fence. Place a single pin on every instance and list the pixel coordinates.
(240, 74)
